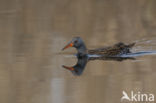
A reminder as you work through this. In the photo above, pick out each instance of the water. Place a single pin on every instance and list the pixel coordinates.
(33, 32)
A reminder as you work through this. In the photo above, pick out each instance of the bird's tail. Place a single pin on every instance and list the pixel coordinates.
(130, 45)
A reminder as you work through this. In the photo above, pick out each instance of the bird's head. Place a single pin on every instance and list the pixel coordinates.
(76, 42)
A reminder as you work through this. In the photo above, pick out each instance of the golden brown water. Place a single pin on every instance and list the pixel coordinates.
(33, 32)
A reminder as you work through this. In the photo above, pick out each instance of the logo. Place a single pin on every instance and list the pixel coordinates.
(137, 97)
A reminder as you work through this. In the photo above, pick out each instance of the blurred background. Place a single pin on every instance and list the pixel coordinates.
(33, 32)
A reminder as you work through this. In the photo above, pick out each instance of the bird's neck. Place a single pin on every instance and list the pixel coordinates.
(82, 50)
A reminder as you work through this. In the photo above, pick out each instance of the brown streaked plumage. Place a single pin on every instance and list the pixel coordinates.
(117, 49)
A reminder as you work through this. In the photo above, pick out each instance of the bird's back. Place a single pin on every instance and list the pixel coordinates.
(117, 49)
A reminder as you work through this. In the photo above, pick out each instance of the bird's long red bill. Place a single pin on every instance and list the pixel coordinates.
(69, 68)
(68, 45)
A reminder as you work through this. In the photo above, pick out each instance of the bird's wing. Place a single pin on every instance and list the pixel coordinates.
(112, 50)
(105, 51)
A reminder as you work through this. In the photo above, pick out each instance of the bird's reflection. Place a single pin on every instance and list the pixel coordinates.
(81, 63)
(79, 67)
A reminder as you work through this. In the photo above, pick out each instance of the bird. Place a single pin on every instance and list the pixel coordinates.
(109, 51)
